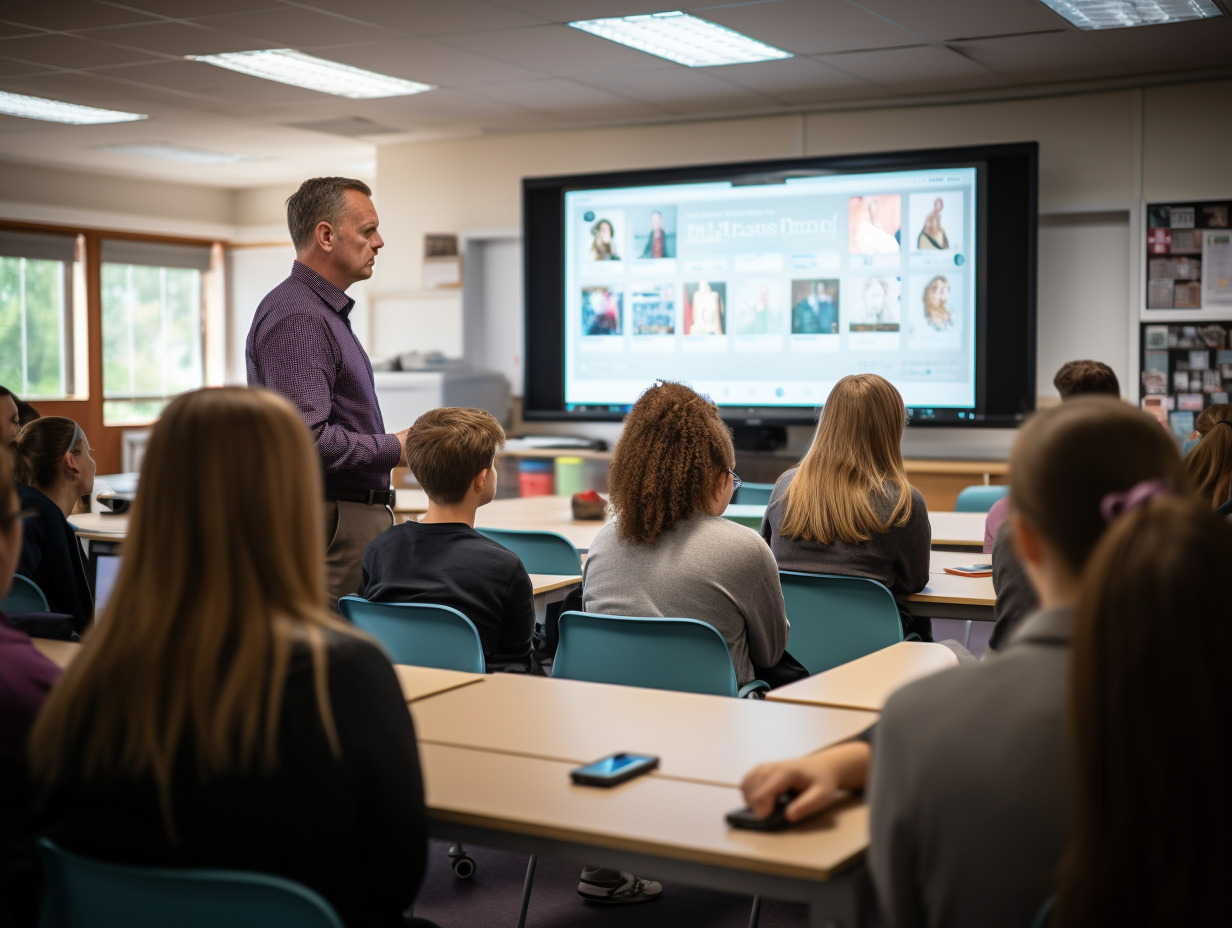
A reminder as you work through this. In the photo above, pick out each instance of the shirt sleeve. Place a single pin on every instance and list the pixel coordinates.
(893, 844)
(382, 762)
(518, 622)
(302, 364)
(765, 616)
(911, 562)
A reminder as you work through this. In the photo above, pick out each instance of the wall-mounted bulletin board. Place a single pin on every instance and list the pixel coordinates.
(1186, 312)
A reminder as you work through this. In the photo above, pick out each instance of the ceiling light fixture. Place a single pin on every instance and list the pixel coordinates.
(16, 104)
(288, 66)
(679, 37)
(176, 153)
(1124, 14)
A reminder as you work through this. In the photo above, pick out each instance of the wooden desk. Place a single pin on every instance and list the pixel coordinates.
(60, 653)
(949, 596)
(409, 501)
(673, 829)
(867, 682)
(711, 739)
(957, 529)
(100, 526)
(539, 513)
(421, 682)
(551, 588)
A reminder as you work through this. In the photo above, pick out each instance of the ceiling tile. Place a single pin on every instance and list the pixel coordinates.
(428, 17)
(190, 9)
(431, 62)
(71, 14)
(682, 90)
(21, 68)
(10, 30)
(175, 38)
(215, 85)
(1178, 46)
(810, 27)
(293, 28)
(967, 20)
(557, 50)
(1049, 57)
(923, 69)
(567, 98)
(798, 80)
(566, 11)
(100, 89)
(66, 51)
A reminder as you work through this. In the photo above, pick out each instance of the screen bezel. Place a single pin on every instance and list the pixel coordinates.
(1006, 232)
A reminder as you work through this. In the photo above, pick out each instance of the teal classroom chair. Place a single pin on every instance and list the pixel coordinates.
(541, 552)
(837, 619)
(24, 596)
(418, 633)
(81, 893)
(979, 498)
(754, 494)
(661, 653)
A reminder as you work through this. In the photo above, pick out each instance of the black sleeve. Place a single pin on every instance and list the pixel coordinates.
(381, 760)
(518, 621)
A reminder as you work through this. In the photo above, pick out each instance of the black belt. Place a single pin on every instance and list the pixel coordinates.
(384, 497)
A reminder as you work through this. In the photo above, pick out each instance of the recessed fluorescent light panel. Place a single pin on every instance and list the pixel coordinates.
(679, 37)
(288, 66)
(1123, 14)
(16, 104)
(175, 153)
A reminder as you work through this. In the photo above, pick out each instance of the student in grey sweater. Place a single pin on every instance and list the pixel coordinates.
(668, 553)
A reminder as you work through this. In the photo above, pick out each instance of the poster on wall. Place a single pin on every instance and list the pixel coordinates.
(1188, 252)
(1185, 368)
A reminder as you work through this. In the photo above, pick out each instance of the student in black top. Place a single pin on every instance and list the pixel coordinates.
(442, 559)
(218, 716)
(55, 469)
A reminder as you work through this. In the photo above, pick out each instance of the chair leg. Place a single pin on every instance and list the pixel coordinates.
(967, 636)
(755, 915)
(530, 879)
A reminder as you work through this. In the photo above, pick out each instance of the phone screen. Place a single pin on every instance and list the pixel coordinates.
(611, 766)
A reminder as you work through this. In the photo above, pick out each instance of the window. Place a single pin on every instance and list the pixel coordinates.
(153, 296)
(37, 331)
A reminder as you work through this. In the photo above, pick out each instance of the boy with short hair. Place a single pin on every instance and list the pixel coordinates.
(442, 559)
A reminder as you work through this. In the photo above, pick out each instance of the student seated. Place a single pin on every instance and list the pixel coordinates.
(969, 782)
(217, 716)
(441, 559)
(55, 467)
(26, 677)
(668, 552)
(1150, 732)
(847, 507)
(1210, 462)
(10, 418)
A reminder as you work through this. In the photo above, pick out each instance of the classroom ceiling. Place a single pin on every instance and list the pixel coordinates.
(512, 65)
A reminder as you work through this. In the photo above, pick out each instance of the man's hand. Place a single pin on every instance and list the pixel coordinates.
(819, 778)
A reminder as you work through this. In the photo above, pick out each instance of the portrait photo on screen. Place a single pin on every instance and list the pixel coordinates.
(873, 304)
(756, 307)
(653, 309)
(601, 232)
(936, 219)
(875, 224)
(814, 307)
(601, 308)
(933, 310)
(705, 308)
(654, 231)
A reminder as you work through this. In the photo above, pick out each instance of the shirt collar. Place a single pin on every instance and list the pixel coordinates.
(334, 298)
(1047, 626)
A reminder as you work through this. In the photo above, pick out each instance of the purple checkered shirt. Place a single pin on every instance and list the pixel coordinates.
(301, 345)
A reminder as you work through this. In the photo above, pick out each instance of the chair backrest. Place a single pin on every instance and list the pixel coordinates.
(421, 634)
(837, 619)
(754, 494)
(979, 498)
(81, 893)
(24, 596)
(660, 653)
(541, 552)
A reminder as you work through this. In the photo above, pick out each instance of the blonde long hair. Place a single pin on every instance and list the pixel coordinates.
(222, 574)
(854, 458)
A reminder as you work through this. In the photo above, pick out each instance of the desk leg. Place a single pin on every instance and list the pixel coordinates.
(836, 902)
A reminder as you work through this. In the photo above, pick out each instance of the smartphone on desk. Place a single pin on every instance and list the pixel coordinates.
(613, 769)
(971, 570)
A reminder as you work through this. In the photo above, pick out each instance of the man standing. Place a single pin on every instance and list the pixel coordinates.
(301, 345)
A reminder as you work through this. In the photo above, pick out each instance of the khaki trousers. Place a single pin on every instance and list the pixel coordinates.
(349, 528)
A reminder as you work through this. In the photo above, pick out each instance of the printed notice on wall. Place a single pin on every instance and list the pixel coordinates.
(1217, 263)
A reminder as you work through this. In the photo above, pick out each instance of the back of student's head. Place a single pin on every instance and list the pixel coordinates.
(222, 572)
(672, 450)
(1080, 378)
(855, 453)
(41, 446)
(447, 447)
(26, 413)
(1151, 734)
(1210, 462)
(8, 508)
(1068, 458)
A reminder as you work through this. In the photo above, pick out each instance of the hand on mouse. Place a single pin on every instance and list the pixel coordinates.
(818, 778)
